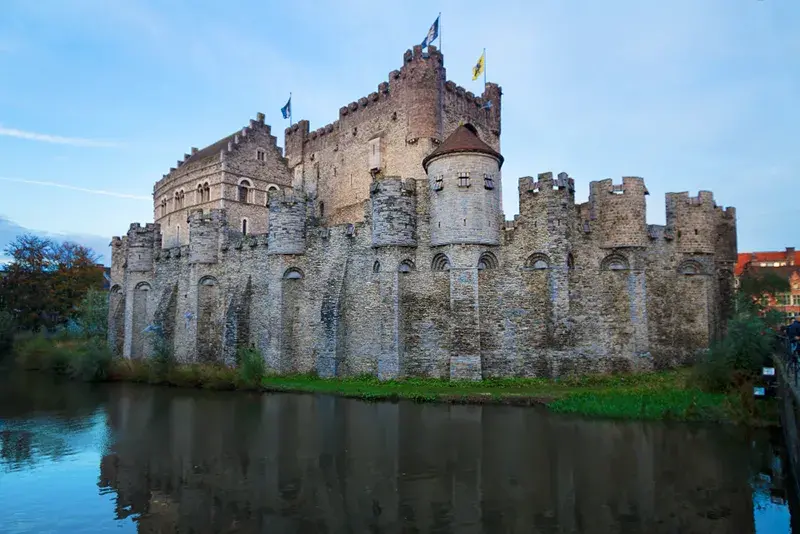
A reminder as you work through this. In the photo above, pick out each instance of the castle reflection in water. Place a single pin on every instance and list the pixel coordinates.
(305, 463)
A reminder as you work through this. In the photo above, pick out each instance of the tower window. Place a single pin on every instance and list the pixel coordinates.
(438, 183)
(244, 190)
(463, 179)
(488, 181)
(261, 155)
(244, 226)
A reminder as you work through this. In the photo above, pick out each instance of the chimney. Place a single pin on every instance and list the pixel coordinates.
(790, 255)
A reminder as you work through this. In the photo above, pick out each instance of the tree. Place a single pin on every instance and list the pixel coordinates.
(45, 281)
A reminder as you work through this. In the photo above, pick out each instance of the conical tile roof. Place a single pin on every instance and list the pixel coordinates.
(463, 139)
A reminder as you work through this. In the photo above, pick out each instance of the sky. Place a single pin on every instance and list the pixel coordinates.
(99, 98)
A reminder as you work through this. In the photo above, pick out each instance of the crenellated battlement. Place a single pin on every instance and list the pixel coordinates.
(631, 185)
(544, 184)
(199, 217)
(698, 224)
(286, 196)
(416, 92)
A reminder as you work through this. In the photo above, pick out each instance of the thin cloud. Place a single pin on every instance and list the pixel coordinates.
(75, 188)
(47, 138)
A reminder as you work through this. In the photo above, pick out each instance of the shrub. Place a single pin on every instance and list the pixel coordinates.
(38, 350)
(252, 368)
(739, 356)
(92, 315)
(91, 361)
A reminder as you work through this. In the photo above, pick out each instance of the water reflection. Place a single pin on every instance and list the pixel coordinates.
(189, 461)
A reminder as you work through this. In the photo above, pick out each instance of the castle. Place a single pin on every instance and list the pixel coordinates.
(377, 245)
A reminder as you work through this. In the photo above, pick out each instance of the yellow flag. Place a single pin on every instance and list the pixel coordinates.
(477, 70)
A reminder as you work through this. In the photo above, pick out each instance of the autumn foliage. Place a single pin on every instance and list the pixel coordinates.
(45, 281)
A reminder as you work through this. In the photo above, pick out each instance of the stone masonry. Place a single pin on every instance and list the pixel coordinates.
(378, 245)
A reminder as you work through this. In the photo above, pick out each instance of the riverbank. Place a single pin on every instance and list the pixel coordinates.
(667, 395)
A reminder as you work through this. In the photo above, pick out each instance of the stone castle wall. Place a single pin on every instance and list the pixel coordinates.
(400, 123)
(549, 300)
(362, 261)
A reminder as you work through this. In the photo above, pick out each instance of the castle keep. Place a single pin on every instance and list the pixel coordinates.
(377, 244)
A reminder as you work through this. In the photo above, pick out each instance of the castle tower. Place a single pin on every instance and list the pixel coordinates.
(140, 244)
(464, 178)
(287, 224)
(394, 212)
(424, 81)
(693, 222)
(619, 212)
(547, 217)
(204, 235)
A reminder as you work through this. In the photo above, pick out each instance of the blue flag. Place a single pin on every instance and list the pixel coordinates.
(286, 110)
(433, 33)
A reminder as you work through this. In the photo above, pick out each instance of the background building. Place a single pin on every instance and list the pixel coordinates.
(785, 264)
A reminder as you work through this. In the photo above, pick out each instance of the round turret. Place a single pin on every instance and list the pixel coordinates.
(464, 178)
(394, 212)
(287, 224)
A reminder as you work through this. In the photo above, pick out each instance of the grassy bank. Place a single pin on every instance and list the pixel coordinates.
(668, 395)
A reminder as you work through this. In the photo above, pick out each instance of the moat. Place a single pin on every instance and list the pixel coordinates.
(126, 458)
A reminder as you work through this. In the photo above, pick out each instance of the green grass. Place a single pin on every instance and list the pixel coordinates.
(669, 395)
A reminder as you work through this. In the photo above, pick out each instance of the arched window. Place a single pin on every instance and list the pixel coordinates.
(142, 286)
(690, 267)
(406, 266)
(244, 191)
(614, 262)
(206, 192)
(207, 281)
(199, 194)
(440, 263)
(537, 261)
(293, 273)
(376, 267)
(177, 200)
(487, 261)
(244, 226)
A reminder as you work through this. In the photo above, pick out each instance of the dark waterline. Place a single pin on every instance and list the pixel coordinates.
(122, 458)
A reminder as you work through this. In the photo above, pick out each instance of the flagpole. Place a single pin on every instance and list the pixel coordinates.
(290, 109)
(439, 18)
(484, 69)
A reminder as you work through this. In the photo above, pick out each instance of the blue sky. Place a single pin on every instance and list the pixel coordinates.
(103, 96)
